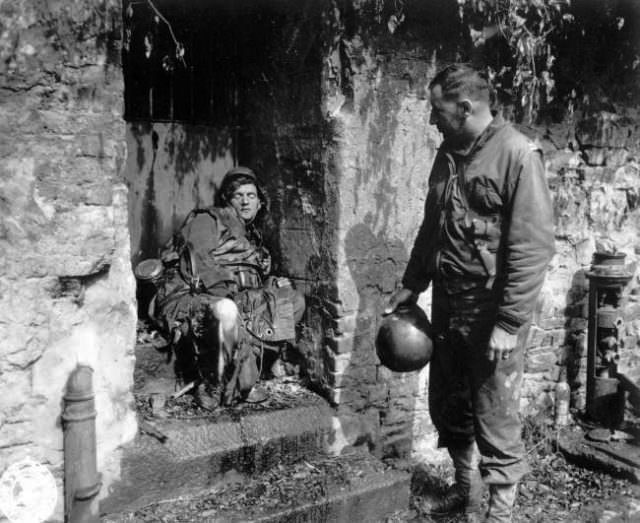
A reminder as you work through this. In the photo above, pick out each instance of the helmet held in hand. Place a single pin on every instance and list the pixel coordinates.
(404, 342)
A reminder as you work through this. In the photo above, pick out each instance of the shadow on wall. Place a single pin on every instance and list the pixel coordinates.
(171, 169)
(376, 264)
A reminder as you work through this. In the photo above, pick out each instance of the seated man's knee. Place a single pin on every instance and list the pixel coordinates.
(226, 312)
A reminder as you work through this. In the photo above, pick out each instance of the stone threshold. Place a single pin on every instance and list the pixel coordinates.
(618, 458)
(354, 486)
(180, 456)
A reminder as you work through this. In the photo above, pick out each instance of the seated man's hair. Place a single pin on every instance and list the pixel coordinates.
(231, 184)
(459, 80)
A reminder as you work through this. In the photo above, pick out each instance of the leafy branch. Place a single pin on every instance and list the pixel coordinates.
(167, 62)
(528, 27)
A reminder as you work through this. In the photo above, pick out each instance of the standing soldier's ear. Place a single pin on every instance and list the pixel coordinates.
(466, 107)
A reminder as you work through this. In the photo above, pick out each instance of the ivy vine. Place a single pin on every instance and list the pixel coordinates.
(529, 27)
(169, 60)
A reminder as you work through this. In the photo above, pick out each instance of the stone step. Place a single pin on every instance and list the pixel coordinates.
(191, 451)
(349, 488)
(618, 458)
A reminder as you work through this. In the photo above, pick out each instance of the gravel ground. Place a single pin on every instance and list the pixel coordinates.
(278, 489)
(554, 491)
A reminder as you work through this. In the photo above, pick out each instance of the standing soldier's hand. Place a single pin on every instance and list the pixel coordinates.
(501, 344)
(402, 295)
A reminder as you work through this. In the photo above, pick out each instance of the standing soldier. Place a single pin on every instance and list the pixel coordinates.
(485, 242)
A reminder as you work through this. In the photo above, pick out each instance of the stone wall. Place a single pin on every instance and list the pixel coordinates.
(593, 166)
(384, 147)
(376, 100)
(67, 293)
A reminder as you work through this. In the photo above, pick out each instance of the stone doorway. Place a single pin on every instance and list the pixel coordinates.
(207, 87)
(327, 109)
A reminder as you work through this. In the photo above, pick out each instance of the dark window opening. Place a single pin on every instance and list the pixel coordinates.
(179, 62)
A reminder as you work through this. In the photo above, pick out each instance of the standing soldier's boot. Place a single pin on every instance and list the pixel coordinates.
(466, 493)
(501, 503)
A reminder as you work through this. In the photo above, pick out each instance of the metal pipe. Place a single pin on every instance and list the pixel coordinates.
(607, 279)
(81, 479)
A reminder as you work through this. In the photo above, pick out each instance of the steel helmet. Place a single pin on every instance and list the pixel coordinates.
(404, 342)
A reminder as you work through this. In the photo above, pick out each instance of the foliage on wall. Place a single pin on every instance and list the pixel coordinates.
(527, 26)
(547, 41)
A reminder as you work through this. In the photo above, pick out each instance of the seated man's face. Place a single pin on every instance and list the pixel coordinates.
(245, 200)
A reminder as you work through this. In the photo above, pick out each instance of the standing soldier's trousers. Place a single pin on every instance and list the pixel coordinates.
(470, 396)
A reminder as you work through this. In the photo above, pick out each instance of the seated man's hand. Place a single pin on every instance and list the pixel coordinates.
(282, 281)
(501, 344)
(399, 297)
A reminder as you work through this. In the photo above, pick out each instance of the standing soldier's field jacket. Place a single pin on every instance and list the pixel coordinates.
(488, 223)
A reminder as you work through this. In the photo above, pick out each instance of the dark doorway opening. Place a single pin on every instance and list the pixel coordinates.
(209, 85)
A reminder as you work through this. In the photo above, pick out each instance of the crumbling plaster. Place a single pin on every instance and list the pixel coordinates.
(67, 292)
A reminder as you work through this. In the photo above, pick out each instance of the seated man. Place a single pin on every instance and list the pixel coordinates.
(216, 300)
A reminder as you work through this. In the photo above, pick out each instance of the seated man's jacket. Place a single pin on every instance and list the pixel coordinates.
(213, 255)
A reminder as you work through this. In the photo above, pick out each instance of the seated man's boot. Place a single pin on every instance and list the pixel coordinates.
(277, 369)
(465, 495)
(204, 397)
(501, 500)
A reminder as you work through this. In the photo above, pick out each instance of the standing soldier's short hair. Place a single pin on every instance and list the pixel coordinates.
(458, 80)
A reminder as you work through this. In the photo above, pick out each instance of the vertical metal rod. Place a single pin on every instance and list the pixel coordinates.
(591, 347)
(81, 479)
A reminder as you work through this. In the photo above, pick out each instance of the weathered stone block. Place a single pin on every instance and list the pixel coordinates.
(594, 156)
(335, 309)
(351, 342)
(539, 337)
(378, 394)
(541, 359)
(616, 157)
(550, 373)
(551, 322)
(335, 362)
(535, 386)
(344, 324)
(405, 385)
(576, 324)
(346, 397)
(354, 376)
(360, 322)
(399, 444)
(15, 390)
(350, 428)
(341, 344)
(535, 337)
(631, 311)
(558, 160)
